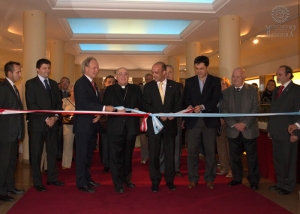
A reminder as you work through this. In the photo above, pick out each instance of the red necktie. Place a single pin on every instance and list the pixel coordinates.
(280, 91)
(93, 84)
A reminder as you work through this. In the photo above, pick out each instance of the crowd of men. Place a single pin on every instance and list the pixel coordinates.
(202, 94)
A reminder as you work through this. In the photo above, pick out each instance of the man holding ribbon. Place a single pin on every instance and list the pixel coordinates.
(85, 126)
(122, 130)
(162, 96)
(285, 99)
(42, 93)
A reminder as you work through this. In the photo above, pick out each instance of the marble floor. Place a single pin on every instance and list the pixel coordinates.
(290, 202)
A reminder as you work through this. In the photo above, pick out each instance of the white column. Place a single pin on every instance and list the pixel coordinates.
(34, 48)
(229, 44)
(193, 49)
(174, 61)
(69, 67)
(57, 56)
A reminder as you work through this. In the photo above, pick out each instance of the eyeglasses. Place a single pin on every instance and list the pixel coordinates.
(122, 74)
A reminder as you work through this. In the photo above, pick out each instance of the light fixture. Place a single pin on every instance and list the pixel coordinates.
(255, 41)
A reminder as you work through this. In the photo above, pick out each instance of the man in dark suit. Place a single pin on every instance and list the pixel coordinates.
(122, 130)
(64, 87)
(202, 93)
(242, 132)
(285, 99)
(85, 126)
(162, 96)
(42, 93)
(12, 130)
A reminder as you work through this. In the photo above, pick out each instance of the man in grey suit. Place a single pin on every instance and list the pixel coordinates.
(242, 131)
(285, 99)
(12, 130)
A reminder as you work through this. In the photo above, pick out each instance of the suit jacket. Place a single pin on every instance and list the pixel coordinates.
(132, 98)
(288, 101)
(209, 97)
(86, 100)
(249, 104)
(172, 103)
(11, 125)
(37, 98)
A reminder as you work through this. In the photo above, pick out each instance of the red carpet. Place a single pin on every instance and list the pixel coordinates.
(68, 199)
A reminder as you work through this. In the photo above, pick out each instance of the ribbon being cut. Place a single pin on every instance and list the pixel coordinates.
(157, 125)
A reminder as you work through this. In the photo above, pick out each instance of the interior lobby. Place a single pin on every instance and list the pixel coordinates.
(257, 35)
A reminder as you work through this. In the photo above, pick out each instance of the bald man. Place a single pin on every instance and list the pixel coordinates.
(242, 131)
(122, 130)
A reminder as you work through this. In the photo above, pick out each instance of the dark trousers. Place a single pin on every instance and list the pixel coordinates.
(236, 149)
(104, 149)
(208, 136)
(120, 157)
(85, 145)
(8, 162)
(154, 157)
(285, 163)
(36, 145)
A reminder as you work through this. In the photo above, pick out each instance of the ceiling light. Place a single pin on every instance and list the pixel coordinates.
(255, 41)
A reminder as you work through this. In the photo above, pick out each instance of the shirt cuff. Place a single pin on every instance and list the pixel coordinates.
(298, 125)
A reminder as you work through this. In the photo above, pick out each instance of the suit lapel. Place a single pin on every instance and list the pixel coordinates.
(168, 91)
(118, 93)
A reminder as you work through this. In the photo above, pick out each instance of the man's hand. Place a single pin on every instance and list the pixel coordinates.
(171, 118)
(109, 108)
(50, 121)
(293, 138)
(198, 109)
(96, 118)
(292, 128)
(190, 107)
(269, 135)
(240, 126)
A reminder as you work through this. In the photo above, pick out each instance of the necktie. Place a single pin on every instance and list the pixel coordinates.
(16, 91)
(280, 91)
(48, 88)
(238, 89)
(95, 87)
(161, 92)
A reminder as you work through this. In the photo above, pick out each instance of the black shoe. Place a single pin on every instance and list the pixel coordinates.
(233, 183)
(119, 189)
(254, 186)
(171, 185)
(56, 183)
(16, 191)
(129, 184)
(40, 188)
(93, 184)
(154, 188)
(274, 188)
(6, 198)
(106, 169)
(86, 189)
(178, 174)
(284, 192)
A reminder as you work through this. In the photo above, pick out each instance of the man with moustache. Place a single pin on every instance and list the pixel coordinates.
(122, 130)
(42, 93)
(85, 126)
(162, 96)
(12, 130)
(285, 99)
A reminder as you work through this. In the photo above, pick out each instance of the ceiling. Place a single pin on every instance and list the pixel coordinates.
(255, 15)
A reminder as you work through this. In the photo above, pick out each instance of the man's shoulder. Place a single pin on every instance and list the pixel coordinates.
(32, 80)
(214, 78)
